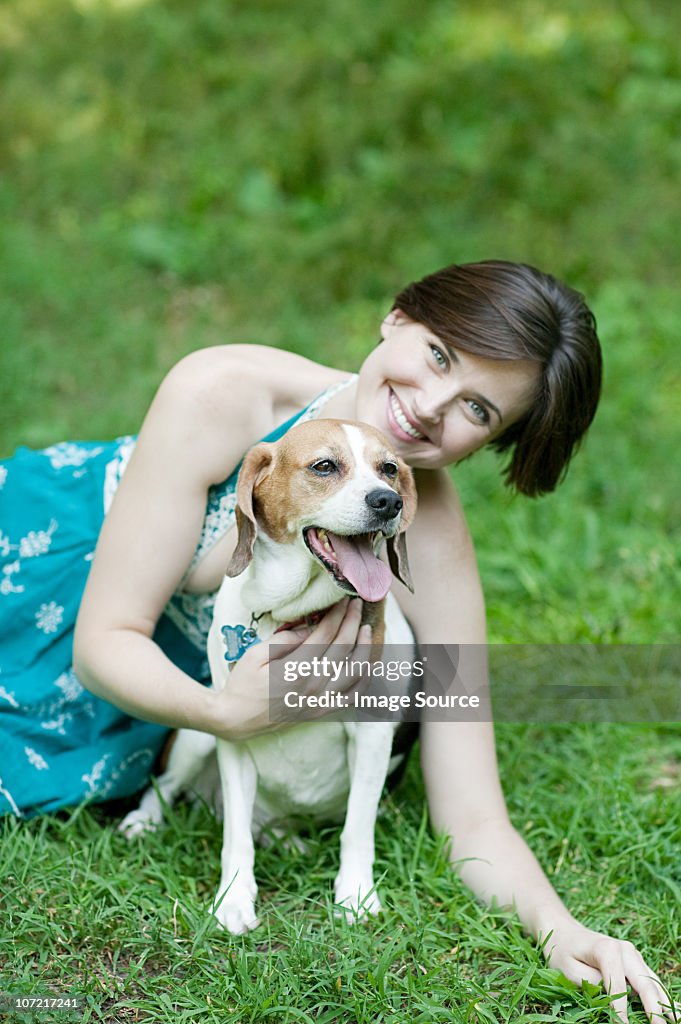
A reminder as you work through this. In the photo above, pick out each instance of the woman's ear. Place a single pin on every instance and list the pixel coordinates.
(394, 318)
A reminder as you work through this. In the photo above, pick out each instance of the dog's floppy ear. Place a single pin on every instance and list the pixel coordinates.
(254, 467)
(397, 545)
(398, 561)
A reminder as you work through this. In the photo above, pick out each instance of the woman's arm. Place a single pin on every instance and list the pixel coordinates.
(460, 767)
(195, 432)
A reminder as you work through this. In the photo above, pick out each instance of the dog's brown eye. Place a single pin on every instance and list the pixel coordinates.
(389, 469)
(324, 467)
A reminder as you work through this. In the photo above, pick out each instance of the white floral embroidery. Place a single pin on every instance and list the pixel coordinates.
(3, 476)
(69, 685)
(69, 454)
(145, 756)
(37, 542)
(58, 724)
(115, 469)
(9, 697)
(49, 617)
(192, 614)
(10, 800)
(36, 759)
(96, 774)
(219, 517)
(6, 584)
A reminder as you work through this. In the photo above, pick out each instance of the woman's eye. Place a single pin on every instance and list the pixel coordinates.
(439, 355)
(324, 467)
(389, 469)
(479, 411)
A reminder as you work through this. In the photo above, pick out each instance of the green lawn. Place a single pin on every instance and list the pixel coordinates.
(176, 174)
(127, 925)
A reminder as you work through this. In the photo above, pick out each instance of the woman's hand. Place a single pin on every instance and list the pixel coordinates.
(583, 954)
(494, 860)
(246, 706)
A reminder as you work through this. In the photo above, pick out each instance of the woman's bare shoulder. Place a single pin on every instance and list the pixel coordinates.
(228, 397)
(271, 383)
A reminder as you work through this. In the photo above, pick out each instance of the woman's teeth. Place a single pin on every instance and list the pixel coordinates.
(403, 421)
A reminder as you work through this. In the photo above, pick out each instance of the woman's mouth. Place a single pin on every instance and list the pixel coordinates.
(399, 423)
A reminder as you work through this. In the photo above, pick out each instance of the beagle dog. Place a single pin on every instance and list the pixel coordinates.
(313, 510)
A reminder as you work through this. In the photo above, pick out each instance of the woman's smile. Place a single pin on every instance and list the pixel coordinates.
(402, 424)
(437, 403)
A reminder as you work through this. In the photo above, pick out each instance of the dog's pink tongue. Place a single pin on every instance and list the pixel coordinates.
(370, 577)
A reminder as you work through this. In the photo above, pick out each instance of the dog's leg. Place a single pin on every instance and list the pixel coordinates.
(234, 905)
(187, 758)
(369, 746)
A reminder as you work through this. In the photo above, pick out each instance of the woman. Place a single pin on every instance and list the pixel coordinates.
(489, 353)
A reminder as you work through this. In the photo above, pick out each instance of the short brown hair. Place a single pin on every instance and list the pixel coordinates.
(513, 311)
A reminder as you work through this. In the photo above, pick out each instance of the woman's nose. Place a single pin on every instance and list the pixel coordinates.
(431, 405)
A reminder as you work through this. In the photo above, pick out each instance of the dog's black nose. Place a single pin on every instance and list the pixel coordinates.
(385, 503)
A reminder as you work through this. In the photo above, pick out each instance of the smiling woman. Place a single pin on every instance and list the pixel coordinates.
(515, 332)
(482, 354)
(440, 401)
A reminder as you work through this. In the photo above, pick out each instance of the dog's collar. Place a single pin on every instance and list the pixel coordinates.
(305, 620)
(237, 639)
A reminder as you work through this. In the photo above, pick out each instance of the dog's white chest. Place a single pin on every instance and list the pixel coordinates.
(302, 772)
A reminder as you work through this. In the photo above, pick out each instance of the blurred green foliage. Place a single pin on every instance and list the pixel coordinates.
(178, 174)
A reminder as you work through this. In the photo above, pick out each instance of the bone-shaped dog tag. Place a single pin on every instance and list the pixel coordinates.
(238, 639)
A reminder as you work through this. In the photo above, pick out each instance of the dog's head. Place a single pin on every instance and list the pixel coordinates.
(338, 490)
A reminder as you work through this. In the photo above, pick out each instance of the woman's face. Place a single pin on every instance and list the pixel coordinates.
(436, 403)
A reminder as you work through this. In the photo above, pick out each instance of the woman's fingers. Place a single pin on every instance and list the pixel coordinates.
(338, 648)
(309, 661)
(620, 962)
(616, 985)
(340, 625)
(339, 633)
(328, 661)
(657, 1004)
(576, 971)
(601, 959)
(282, 644)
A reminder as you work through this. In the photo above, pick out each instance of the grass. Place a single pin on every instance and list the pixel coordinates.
(126, 925)
(175, 175)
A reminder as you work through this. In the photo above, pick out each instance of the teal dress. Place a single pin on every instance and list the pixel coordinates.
(59, 743)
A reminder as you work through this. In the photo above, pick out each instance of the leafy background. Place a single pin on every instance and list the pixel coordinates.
(177, 174)
(183, 173)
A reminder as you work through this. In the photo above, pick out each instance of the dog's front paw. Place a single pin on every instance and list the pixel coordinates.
(137, 823)
(356, 898)
(234, 909)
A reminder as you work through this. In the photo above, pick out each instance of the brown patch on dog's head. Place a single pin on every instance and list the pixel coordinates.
(278, 481)
(291, 487)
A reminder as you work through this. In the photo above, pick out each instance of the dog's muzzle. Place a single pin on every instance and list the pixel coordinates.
(385, 504)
